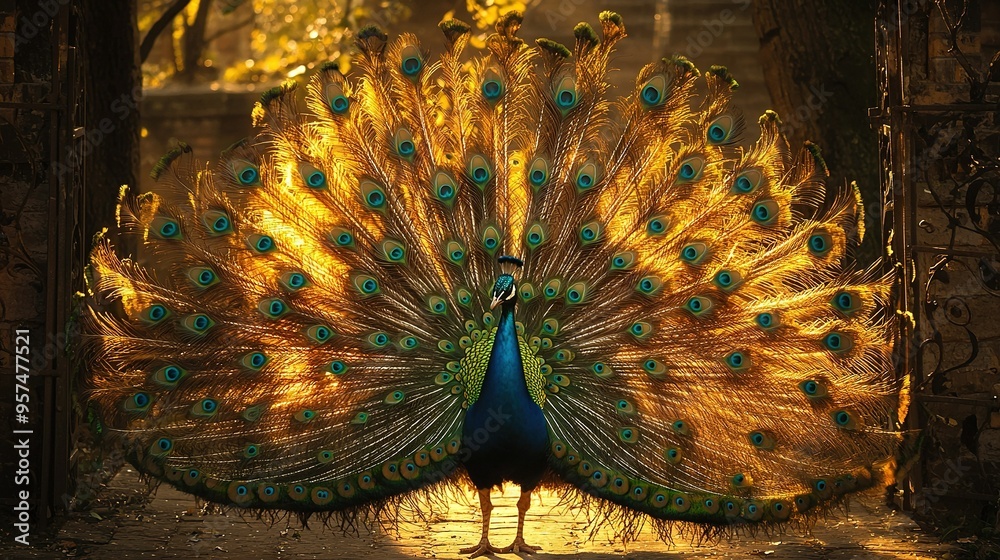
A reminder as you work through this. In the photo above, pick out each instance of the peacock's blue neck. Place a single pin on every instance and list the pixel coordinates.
(504, 382)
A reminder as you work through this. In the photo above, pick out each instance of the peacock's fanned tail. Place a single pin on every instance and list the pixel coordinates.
(308, 319)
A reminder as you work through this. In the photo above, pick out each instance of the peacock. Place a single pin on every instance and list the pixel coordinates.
(479, 269)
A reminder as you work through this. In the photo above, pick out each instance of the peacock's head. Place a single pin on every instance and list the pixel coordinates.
(504, 289)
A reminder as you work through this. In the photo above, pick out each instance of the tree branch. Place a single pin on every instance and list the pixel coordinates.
(158, 26)
(229, 29)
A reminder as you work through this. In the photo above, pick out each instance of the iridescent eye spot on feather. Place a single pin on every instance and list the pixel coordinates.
(820, 243)
(165, 228)
(623, 261)
(657, 225)
(464, 297)
(673, 455)
(654, 91)
(247, 174)
(491, 239)
(727, 280)
(162, 446)
(694, 253)
(198, 323)
(345, 489)
(455, 252)
(654, 368)
(590, 232)
(586, 177)
(753, 511)
(408, 343)
(550, 326)
(720, 130)
(698, 305)
(367, 285)
(623, 406)
(360, 419)
(138, 402)
(479, 170)
(154, 314)
(338, 367)
(395, 397)
(292, 281)
(602, 370)
(168, 376)
(577, 293)
(341, 237)
(260, 243)
(659, 499)
(403, 142)
(649, 285)
(304, 416)
(844, 419)
(641, 330)
(747, 182)
(762, 440)
(445, 188)
(218, 223)
(565, 94)
(336, 100)
(321, 496)
(437, 305)
(366, 481)
(552, 288)
(813, 389)
(202, 276)
(711, 506)
(324, 456)
(319, 333)
(690, 169)
(740, 480)
(681, 503)
(765, 212)
(538, 173)
(205, 408)
(527, 292)
(629, 434)
(372, 195)
(493, 86)
(254, 361)
(766, 321)
(738, 361)
(535, 236)
(680, 427)
(378, 339)
(393, 251)
(838, 342)
(846, 302)
(272, 308)
(410, 61)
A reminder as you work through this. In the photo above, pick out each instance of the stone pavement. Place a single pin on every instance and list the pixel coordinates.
(126, 524)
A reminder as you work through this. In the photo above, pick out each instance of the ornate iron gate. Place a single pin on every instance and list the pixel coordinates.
(940, 138)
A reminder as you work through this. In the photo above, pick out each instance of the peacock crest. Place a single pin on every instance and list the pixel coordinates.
(322, 320)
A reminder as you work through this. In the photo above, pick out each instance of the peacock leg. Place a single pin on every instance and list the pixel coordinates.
(523, 503)
(484, 546)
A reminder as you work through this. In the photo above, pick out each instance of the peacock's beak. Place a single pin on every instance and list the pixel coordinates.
(496, 301)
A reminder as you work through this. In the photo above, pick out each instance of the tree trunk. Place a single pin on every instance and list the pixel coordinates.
(113, 89)
(817, 57)
(193, 43)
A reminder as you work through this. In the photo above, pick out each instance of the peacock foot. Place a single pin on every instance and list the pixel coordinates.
(520, 546)
(484, 547)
